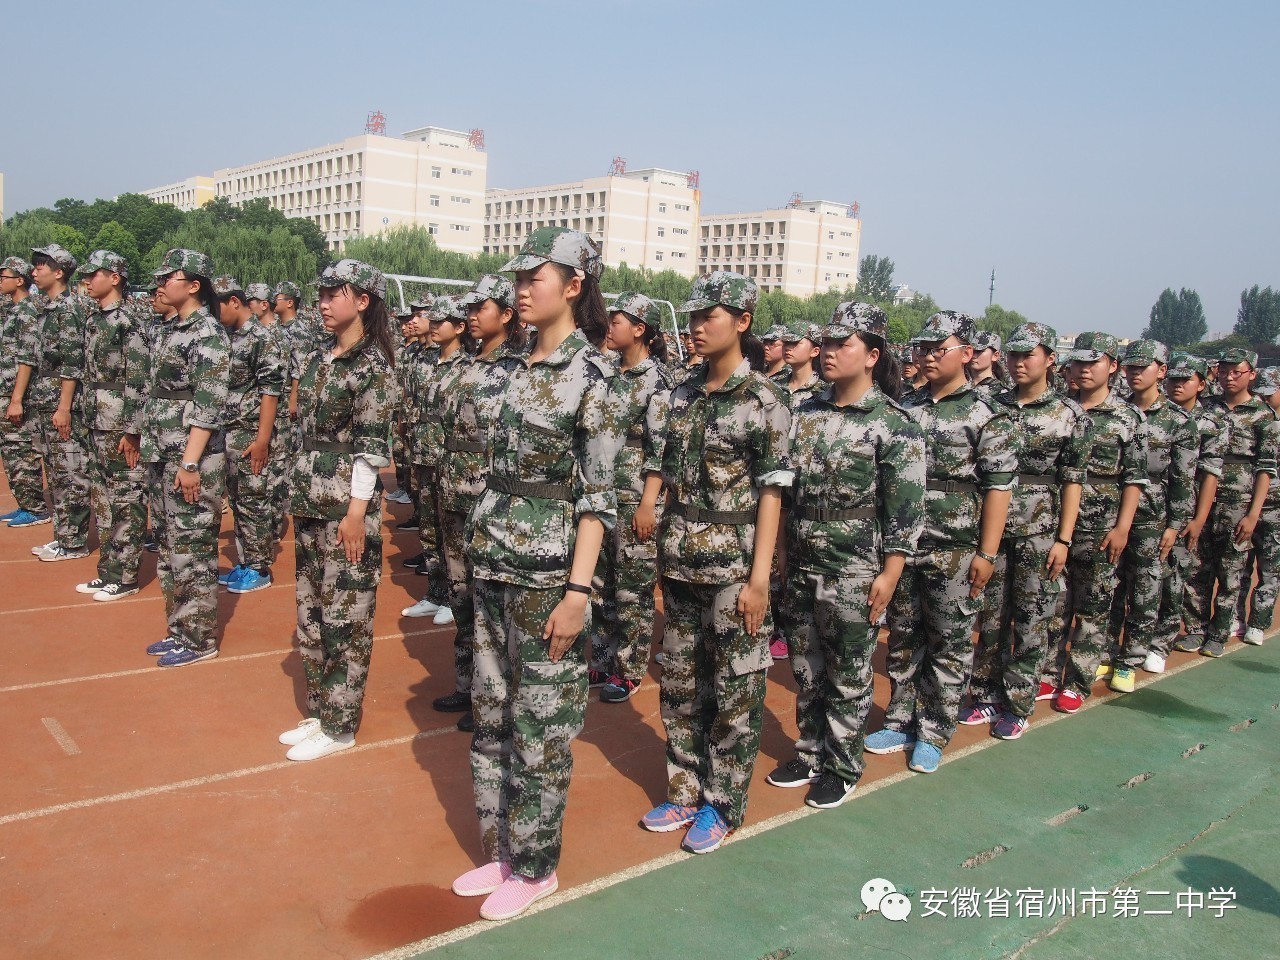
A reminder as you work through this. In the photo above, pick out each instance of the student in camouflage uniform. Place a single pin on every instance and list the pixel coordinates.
(1116, 475)
(855, 516)
(971, 450)
(184, 448)
(1025, 589)
(534, 538)
(346, 399)
(1166, 506)
(725, 462)
(800, 349)
(304, 338)
(255, 385)
(50, 368)
(17, 446)
(468, 412)
(775, 363)
(416, 355)
(279, 457)
(627, 572)
(1248, 469)
(985, 370)
(116, 380)
(1265, 558)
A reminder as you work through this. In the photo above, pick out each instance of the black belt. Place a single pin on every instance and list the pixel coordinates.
(807, 512)
(116, 385)
(951, 486)
(523, 488)
(326, 446)
(173, 394)
(1236, 458)
(1103, 481)
(1038, 479)
(463, 446)
(637, 442)
(699, 515)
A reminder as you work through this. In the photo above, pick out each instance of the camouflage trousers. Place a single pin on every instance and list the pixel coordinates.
(336, 604)
(119, 500)
(69, 469)
(625, 576)
(527, 712)
(1014, 635)
(1224, 565)
(1172, 589)
(1091, 581)
(1265, 561)
(280, 464)
(1135, 607)
(931, 622)
(251, 497)
(400, 457)
(712, 696)
(831, 643)
(461, 597)
(429, 534)
(187, 563)
(22, 465)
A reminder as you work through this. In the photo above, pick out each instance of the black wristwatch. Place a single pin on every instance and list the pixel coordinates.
(1065, 543)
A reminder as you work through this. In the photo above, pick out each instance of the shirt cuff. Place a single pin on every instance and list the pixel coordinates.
(776, 478)
(364, 477)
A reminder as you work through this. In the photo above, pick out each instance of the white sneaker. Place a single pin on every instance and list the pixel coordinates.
(93, 586)
(1154, 663)
(400, 496)
(59, 552)
(423, 608)
(36, 551)
(1253, 636)
(295, 735)
(443, 615)
(1237, 628)
(320, 744)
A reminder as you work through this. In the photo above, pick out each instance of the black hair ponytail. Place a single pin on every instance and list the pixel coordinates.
(887, 373)
(589, 312)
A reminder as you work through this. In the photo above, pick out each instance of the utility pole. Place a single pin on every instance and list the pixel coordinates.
(991, 295)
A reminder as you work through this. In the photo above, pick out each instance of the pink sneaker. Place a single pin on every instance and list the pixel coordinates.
(482, 880)
(778, 647)
(516, 895)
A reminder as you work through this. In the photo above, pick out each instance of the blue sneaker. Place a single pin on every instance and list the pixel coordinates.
(250, 580)
(925, 758)
(707, 831)
(26, 518)
(888, 741)
(668, 816)
(6, 517)
(183, 656)
(231, 576)
(161, 647)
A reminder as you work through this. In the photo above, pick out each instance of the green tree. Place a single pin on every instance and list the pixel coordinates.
(1176, 319)
(21, 234)
(258, 213)
(875, 277)
(911, 316)
(250, 254)
(996, 319)
(112, 236)
(1258, 319)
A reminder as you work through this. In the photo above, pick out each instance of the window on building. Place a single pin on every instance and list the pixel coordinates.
(679, 255)
(433, 228)
(435, 200)
(683, 206)
(828, 254)
(662, 207)
(658, 255)
(662, 231)
(682, 231)
(435, 173)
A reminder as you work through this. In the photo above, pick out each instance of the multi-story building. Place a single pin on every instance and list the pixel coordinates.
(808, 247)
(643, 218)
(189, 194)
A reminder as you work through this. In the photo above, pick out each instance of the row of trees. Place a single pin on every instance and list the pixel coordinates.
(1177, 320)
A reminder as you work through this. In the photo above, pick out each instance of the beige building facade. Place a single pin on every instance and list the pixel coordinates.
(807, 247)
(189, 194)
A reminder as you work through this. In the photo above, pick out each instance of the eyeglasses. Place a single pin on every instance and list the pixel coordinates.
(937, 353)
(173, 276)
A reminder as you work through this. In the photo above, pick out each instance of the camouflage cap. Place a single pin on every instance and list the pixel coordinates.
(191, 262)
(722, 288)
(776, 332)
(905, 356)
(850, 318)
(1237, 355)
(225, 286)
(105, 260)
(355, 272)
(944, 324)
(812, 332)
(59, 255)
(1092, 346)
(1183, 365)
(1139, 353)
(491, 287)
(423, 303)
(451, 307)
(287, 288)
(1267, 382)
(18, 266)
(259, 291)
(986, 340)
(640, 307)
(1027, 336)
(557, 245)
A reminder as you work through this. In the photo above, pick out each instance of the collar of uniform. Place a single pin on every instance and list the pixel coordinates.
(808, 384)
(347, 356)
(455, 357)
(640, 368)
(1009, 395)
(191, 319)
(736, 379)
(959, 391)
(562, 354)
(865, 402)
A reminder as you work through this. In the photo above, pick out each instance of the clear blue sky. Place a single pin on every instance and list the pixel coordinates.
(1093, 153)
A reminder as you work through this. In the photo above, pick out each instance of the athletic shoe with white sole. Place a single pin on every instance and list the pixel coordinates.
(92, 587)
(295, 735)
(1154, 663)
(423, 608)
(115, 591)
(59, 552)
(828, 792)
(482, 881)
(26, 518)
(1253, 636)
(320, 744)
(185, 656)
(443, 615)
(516, 895)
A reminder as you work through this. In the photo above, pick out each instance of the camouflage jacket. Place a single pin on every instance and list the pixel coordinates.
(428, 432)
(51, 343)
(971, 443)
(991, 386)
(866, 457)
(187, 387)
(809, 388)
(1173, 443)
(12, 319)
(414, 369)
(284, 349)
(721, 450)
(1117, 456)
(117, 368)
(1248, 448)
(1209, 457)
(1053, 432)
(257, 369)
(782, 376)
(556, 438)
(645, 395)
(304, 337)
(345, 409)
(465, 419)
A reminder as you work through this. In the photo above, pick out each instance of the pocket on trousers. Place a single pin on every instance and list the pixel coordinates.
(552, 696)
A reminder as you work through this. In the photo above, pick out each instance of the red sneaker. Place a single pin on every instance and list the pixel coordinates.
(778, 647)
(1047, 691)
(1068, 701)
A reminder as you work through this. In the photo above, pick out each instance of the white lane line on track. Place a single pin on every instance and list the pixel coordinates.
(59, 734)
(746, 833)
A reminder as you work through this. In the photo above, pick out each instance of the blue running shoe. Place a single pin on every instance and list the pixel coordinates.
(888, 741)
(26, 518)
(184, 656)
(925, 758)
(707, 831)
(161, 647)
(250, 581)
(12, 514)
(666, 817)
(231, 576)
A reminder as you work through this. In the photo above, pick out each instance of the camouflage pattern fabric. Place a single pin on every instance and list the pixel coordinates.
(17, 449)
(798, 395)
(557, 245)
(193, 357)
(460, 598)
(1265, 561)
(431, 392)
(722, 288)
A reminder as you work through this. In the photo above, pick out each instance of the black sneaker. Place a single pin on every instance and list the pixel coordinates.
(149, 543)
(456, 702)
(1212, 648)
(419, 559)
(793, 773)
(619, 690)
(467, 723)
(829, 791)
(596, 678)
(1191, 643)
(411, 524)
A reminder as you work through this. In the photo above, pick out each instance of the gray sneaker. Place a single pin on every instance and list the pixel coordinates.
(59, 552)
